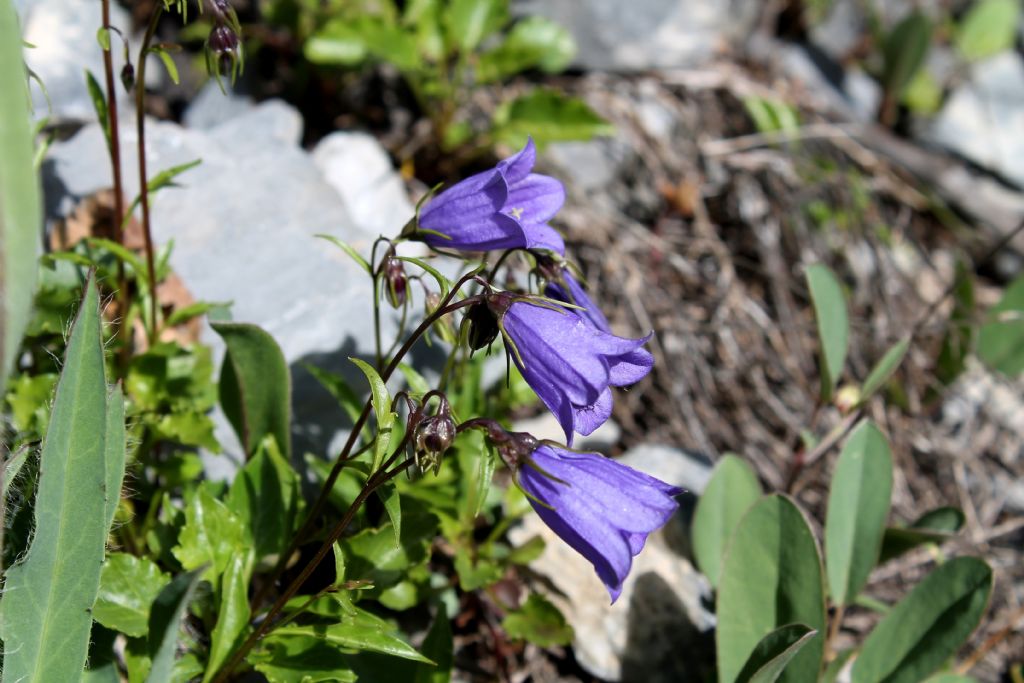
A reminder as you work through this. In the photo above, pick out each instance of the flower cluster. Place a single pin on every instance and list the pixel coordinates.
(565, 349)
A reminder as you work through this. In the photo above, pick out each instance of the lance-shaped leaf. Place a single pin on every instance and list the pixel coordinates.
(233, 613)
(833, 324)
(381, 399)
(730, 492)
(771, 577)
(20, 204)
(358, 630)
(255, 387)
(266, 498)
(928, 626)
(44, 615)
(164, 621)
(858, 505)
(774, 652)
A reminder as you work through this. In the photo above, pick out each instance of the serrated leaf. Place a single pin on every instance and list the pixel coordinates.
(44, 614)
(774, 652)
(729, 493)
(212, 534)
(771, 577)
(988, 28)
(833, 324)
(128, 587)
(884, 368)
(305, 659)
(382, 412)
(20, 200)
(255, 386)
(1001, 338)
(534, 42)
(928, 626)
(164, 622)
(548, 116)
(858, 505)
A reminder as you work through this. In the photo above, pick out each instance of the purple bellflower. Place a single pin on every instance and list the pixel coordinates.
(604, 510)
(571, 291)
(507, 207)
(567, 361)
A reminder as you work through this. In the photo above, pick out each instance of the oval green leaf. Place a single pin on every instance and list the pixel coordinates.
(928, 626)
(1001, 339)
(988, 28)
(833, 324)
(904, 52)
(858, 505)
(730, 492)
(771, 577)
(45, 615)
(255, 386)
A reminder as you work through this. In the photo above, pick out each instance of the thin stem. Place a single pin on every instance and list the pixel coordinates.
(115, 164)
(140, 125)
(344, 456)
(372, 484)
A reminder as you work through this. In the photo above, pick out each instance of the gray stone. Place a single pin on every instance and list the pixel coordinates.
(359, 169)
(841, 30)
(243, 224)
(63, 33)
(647, 34)
(659, 629)
(983, 119)
(212, 107)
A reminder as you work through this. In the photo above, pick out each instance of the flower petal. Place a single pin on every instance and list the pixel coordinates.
(590, 417)
(496, 231)
(629, 368)
(535, 199)
(573, 293)
(476, 197)
(516, 167)
(543, 236)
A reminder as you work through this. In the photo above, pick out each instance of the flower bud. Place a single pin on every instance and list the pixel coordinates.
(128, 77)
(397, 283)
(483, 326)
(434, 435)
(223, 51)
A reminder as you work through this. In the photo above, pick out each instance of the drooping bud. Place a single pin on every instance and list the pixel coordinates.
(433, 435)
(128, 77)
(396, 281)
(223, 51)
(483, 325)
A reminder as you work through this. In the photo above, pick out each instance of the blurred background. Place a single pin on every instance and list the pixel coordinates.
(711, 150)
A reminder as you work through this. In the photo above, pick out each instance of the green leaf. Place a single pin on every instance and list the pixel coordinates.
(988, 28)
(382, 411)
(212, 534)
(186, 313)
(388, 494)
(1001, 339)
(415, 381)
(730, 492)
(774, 652)
(539, 622)
(165, 57)
(359, 630)
(904, 52)
(102, 666)
(44, 615)
(103, 38)
(372, 553)
(444, 283)
(99, 103)
(532, 42)
(348, 42)
(164, 621)
(923, 96)
(266, 498)
(935, 526)
(771, 116)
(548, 116)
(20, 202)
(233, 613)
(883, 370)
(771, 577)
(928, 626)
(438, 646)
(858, 505)
(477, 462)
(255, 386)
(470, 21)
(305, 659)
(832, 671)
(339, 389)
(128, 587)
(11, 470)
(348, 249)
(833, 324)
(158, 182)
(947, 677)
(956, 345)
(114, 443)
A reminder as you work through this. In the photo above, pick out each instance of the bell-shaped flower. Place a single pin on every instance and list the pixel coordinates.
(567, 361)
(507, 207)
(604, 510)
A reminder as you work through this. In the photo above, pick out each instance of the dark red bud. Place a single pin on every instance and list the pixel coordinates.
(483, 325)
(397, 283)
(128, 77)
